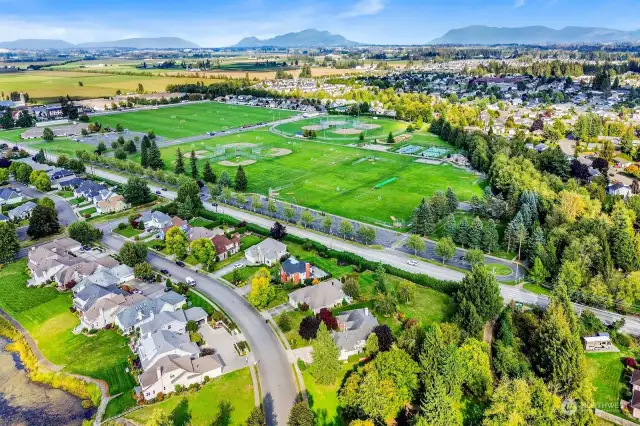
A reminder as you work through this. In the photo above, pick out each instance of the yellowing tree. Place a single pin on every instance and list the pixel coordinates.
(261, 290)
(177, 242)
(572, 205)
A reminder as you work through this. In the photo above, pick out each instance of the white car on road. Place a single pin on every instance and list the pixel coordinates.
(190, 281)
(412, 262)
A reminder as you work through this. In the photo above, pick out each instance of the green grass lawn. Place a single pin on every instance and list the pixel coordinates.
(194, 299)
(90, 210)
(200, 222)
(248, 241)
(281, 296)
(128, 232)
(606, 373)
(62, 146)
(192, 119)
(538, 289)
(119, 404)
(12, 135)
(203, 406)
(323, 399)
(329, 265)
(385, 125)
(499, 269)
(155, 244)
(337, 179)
(246, 272)
(76, 201)
(294, 339)
(65, 194)
(45, 314)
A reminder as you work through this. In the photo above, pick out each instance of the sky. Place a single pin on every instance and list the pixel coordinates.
(219, 23)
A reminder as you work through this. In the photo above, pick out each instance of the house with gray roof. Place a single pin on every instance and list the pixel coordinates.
(49, 259)
(3, 218)
(9, 196)
(163, 343)
(23, 211)
(90, 189)
(103, 311)
(85, 298)
(326, 294)
(175, 370)
(155, 221)
(267, 252)
(175, 321)
(355, 326)
(137, 315)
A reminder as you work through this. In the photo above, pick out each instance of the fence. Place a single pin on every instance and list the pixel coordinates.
(614, 419)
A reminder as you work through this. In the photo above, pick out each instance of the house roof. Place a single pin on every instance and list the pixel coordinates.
(158, 216)
(112, 200)
(3, 218)
(121, 271)
(167, 364)
(292, 266)
(8, 193)
(23, 208)
(90, 188)
(269, 249)
(172, 298)
(635, 399)
(322, 294)
(356, 325)
(635, 377)
(164, 341)
(221, 242)
(195, 314)
(73, 182)
(60, 173)
(200, 232)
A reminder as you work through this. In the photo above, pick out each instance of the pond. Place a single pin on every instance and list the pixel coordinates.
(23, 402)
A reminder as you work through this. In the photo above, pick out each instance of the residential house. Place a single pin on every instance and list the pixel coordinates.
(47, 260)
(103, 312)
(163, 343)
(155, 221)
(60, 175)
(294, 270)
(326, 294)
(23, 211)
(85, 298)
(267, 252)
(226, 247)
(355, 326)
(177, 222)
(619, 189)
(92, 191)
(135, 316)
(3, 218)
(199, 232)
(175, 370)
(71, 275)
(115, 203)
(634, 405)
(9, 196)
(175, 321)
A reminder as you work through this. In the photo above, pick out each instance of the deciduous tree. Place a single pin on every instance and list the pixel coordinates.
(9, 243)
(132, 253)
(261, 292)
(43, 222)
(177, 242)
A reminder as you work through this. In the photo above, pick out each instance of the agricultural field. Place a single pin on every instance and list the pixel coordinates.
(192, 119)
(345, 129)
(50, 85)
(331, 178)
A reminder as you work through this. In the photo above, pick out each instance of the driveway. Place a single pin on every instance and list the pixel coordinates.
(222, 343)
(229, 268)
(277, 310)
(279, 389)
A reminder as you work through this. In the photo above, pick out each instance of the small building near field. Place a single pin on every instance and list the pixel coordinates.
(600, 342)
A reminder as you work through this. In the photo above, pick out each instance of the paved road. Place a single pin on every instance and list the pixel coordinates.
(276, 375)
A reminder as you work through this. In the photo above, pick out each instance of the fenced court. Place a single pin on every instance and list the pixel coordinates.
(434, 152)
(343, 128)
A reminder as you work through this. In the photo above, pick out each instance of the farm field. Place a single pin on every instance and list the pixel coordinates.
(50, 85)
(232, 391)
(192, 119)
(44, 312)
(345, 132)
(336, 179)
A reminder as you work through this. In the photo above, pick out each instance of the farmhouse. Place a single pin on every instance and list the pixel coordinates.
(326, 294)
(267, 252)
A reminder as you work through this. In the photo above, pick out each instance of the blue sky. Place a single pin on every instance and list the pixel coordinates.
(215, 23)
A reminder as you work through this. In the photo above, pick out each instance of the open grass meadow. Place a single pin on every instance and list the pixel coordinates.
(203, 408)
(60, 146)
(44, 312)
(50, 85)
(192, 119)
(334, 178)
(606, 372)
(383, 126)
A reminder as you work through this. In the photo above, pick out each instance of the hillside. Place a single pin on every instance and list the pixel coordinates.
(480, 34)
(306, 38)
(36, 43)
(136, 43)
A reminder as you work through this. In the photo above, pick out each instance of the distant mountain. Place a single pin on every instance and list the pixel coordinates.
(35, 43)
(135, 43)
(144, 43)
(480, 34)
(306, 38)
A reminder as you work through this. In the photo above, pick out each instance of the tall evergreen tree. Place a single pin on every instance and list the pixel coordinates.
(144, 151)
(207, 174)
(241, 180)
(475, 234)
(490, 237)
(452, 201)
(193, 162)
(462, 234)
(154, 157)
(450, 227)
(423, 222)
(480, 288)
(326, 365)
(179, 166)
(622, 239)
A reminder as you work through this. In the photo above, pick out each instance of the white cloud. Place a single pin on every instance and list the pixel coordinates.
(364, 8)
(519, 3)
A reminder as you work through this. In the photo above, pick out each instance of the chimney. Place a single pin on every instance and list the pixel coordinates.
(366, 311)
(159, 372)
(307, 268)
(139, 315)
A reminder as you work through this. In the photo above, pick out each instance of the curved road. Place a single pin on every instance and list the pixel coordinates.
(66, 216)
(277, 383)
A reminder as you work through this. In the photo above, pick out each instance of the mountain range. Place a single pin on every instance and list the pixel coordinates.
(134, 43)
(305, 38)
(480, 34)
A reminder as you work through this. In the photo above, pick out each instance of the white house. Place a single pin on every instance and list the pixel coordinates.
(155, 221)
(23, 211)
(175, 370)
(163, 343)
(9, 196)
(267, 252)
(619, 189)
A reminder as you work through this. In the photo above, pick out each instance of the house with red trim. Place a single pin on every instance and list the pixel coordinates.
(226, 247)
(295, 271)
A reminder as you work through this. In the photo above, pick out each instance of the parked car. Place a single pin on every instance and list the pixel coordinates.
(190, 281)
(165, 271)
(158, 192)
(238, 265)
(85, 248)
(180, 263)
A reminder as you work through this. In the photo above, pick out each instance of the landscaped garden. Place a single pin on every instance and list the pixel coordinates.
(127, 231)
(202, 407)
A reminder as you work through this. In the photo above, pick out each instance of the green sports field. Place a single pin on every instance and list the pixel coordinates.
(192, 119)
(347, 130)
(334, 178)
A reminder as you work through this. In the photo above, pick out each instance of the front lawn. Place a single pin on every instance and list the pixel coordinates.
(228, 261)
(89, 211)
(281, 297)
(328, 265)
(202, 407)
(128, 231)
(76, 201)
(44, 312)
(64, 194)
(245, 273)
(248, 241)
(200, 222)
(294, 339)
(536, 288)
(323, 399)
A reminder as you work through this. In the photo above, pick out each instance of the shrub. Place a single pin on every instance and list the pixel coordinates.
(309, 328)
(86, 404)
(303, 307)
(122, 225)
(284, 322)
(630, 362)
